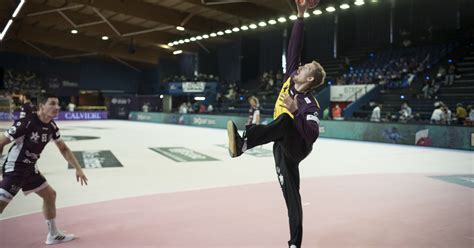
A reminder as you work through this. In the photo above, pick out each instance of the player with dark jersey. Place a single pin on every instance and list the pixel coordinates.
(294, 129)
(20, 172)
(27, 108)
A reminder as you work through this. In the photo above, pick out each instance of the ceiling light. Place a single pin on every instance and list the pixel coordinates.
(74, 31)
(272, 22)
(213, 34)
(220, 33)
(5, 30)
(205, 36)
(262, 24)
(105, 37)
(186, 40)
(253, 26)
(177, 52)
(359, 2)
(317, 12)
(228, 31)
(244, 27)
(170, 44)
(192, 39)
(18, 8)
(164, 46)
(175, 43)
(198, 37)
(344, 6)
(181, 41)
(235, 29)
(282, 19)
(306, 15)
(330, 9)
(179, 28)
(293, 17)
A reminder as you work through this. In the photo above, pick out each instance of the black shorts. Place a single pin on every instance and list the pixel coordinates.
(13, 181)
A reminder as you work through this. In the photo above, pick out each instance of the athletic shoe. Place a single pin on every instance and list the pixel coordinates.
(235, 141)
(58, 238)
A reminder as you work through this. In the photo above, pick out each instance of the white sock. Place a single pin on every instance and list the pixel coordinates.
(52, 227)
(244, 146)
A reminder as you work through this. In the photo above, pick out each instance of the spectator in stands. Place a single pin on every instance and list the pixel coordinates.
(447, 115)
(375, 117)
(326, 114)
(405, 113)
(470, 119)
(336, 112)
(254, 111)
(202, 108)
(461, 113)
(437, 115)
(71, 107)
(210, 108)
(146, 107)
(450, 75)
(183, 108)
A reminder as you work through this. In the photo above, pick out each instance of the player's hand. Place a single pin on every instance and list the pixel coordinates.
(81, 176)
(289, 103)
(302, 6)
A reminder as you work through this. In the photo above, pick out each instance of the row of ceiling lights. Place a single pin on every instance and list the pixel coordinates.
(261, 24)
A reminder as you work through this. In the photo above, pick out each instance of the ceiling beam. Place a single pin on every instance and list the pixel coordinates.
(83, 44)
(155, 13)
(55, 19)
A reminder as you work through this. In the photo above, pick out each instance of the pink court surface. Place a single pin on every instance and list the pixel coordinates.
(154, 185)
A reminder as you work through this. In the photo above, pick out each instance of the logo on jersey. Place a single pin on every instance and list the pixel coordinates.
(34, 137)
(18, 123)
(12, 130)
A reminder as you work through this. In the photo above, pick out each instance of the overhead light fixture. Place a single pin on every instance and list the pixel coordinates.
(306, 15)
(293, 17)
(236, 29)
(165, 46)
(105, 37)
(244, 27)
(205, 36)
(186, 40)
(199, 98)
(228, 31)
(282, 19)
(253, 26)
(213, 34)
(18, 8)
(177, 52)
(330, 9)
(170, 44)
(262, 24)
(375, 1)
(10, 21)
(317, 12)
(181, 41)
(192, 38)
(344, 6)
(180, 28)
(272, 22)
(175, 43)
(74, 31)
(198, 37)
(359, 2)
(220, 33)
(161, 96)
(5, 30)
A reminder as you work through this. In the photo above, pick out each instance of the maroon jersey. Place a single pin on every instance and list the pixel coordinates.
(30, 136)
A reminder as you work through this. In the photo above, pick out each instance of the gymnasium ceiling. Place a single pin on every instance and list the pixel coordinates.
(137, 29)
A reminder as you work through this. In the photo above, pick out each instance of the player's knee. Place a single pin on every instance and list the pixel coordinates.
(50, 196)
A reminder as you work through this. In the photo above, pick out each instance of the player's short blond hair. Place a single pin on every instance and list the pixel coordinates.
(319, 75)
